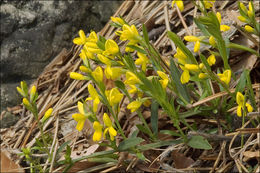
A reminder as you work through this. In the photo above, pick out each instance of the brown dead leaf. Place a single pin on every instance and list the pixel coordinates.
(8, 165)
(181, 161)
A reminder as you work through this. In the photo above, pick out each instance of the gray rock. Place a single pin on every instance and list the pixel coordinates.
(34, 32)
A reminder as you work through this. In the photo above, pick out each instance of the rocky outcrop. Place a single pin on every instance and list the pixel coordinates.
(34, 32)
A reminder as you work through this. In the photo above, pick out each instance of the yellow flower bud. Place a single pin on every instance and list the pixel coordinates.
(211, 60)
(240, 99)
(249, 107)
(212, 41)
(224, 28)
(48, 113)
(185, 77)
(241, 18)
(111, 47)
(250, 14)
(104, 59)
(77, 76)
(21, 91)
(218, 16)
(117, 20)
(203, 75)
(249, 28)
(27, 103)
(191, 38)
(243, 7)
(192, 67)
(201, 66)
(133, 106)
(197, 46)
(85, 69)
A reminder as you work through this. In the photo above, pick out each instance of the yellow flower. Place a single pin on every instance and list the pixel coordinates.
(93, 96)
(117, 20)
(192, 67)
(92, 37)
(129, 33)
(142, 60)
(179, 54)
(208, 3)
(241, 18)
(212, 41)
(249, 28)
(241, 101)
(113, 72)
(92, 47)
(113, 96)
(104, 59)
(179, 4)
(110, 128)
(203, 75)
(84, 69)
(133, 89)
(211, 60)
(81, 39)
(185, 76)
(80, 118)
(133, 106)
(84, 54)
(131, 79)
(201, 66)
(225, 76)
(98, 74)
(111, 48)
(77, 76)
(165, 80)
(194, 39)
(224, 28)
(47, 114)
(98, 131)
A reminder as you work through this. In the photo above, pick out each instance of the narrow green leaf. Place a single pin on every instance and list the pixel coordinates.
(175, 75)
(145, 34)
(140, 156)
(169, 132)
(120, 84)
(142, 129)
(154, 117)
(63, 146)
(241, 83)
(102, 160)
(138, 49)
(199, 142)
(250, 90)
(201, 27)
(159, 144)
(128, 143)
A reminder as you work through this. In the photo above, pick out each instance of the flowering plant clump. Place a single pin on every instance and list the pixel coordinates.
(143, 79)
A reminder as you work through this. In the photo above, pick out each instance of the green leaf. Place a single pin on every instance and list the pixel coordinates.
(250, 90)
(63, 146)
(142, 129)
(169, 132)
(128, 143)
(175, 75)
(201, 27)
(140, 156)
(101, 42)
(102, 160)
(154, 117)
(199, 142)
(119, 84)
(67, 155)
(134, 134)
(241, 83)
(145, 34)
(138, 49)
(177, 41)
(159, 144)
